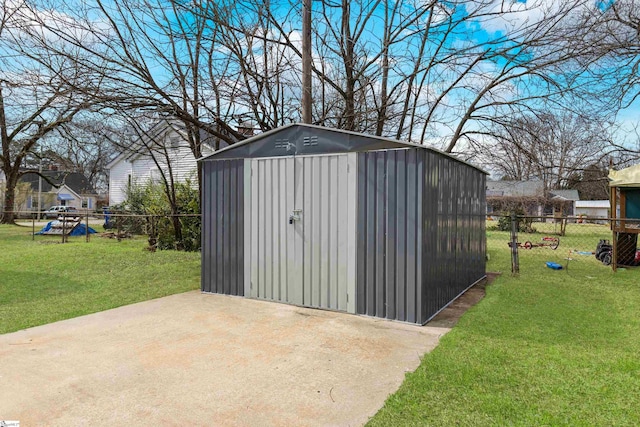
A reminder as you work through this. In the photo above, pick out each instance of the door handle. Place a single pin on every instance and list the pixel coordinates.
(295, 216)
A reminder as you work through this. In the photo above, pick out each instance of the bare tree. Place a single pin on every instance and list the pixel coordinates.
(86, 145)
(34, 102)
(150, 55)
(431, 72)
(415, 70)
(549, 147)
(614, 50)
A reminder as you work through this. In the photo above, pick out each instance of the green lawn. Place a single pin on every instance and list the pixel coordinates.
(43, 281)
(545, 348)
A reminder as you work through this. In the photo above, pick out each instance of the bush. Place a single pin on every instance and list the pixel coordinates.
(524, 223)
(155, 219)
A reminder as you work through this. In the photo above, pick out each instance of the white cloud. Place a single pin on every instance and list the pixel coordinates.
(514, 15)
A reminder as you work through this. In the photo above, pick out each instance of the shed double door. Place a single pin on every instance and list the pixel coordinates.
(300, 230)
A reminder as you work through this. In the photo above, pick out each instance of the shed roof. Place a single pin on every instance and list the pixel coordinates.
(305, 139)
(592, 204)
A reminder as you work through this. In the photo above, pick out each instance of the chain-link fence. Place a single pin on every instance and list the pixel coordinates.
(520, 242)
(514, 243)
(163, 231)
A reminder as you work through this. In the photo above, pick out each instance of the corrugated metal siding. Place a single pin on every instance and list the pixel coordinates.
(326, 233)
(223, 227)
(456, 254)
(270, 202)
(421, 232)
(390, 204)
(304, 263)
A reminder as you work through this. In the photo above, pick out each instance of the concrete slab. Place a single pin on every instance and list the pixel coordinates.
(195, 359)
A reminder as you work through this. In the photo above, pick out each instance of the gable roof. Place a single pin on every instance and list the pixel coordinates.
(505, 188)
(74, 180)
(564, 195)
(159, 127)
(305, 139)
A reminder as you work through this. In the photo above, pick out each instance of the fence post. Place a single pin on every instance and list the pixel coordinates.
(515, 262)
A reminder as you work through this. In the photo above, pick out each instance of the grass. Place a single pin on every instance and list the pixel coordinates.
(43, 281)
(544, 348)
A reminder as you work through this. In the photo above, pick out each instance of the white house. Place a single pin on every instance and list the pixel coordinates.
(168, 142)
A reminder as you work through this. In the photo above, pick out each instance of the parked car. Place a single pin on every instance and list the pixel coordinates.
(56, 211)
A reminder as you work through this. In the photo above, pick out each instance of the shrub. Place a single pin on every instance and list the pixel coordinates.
(524, 224)
(155, 219)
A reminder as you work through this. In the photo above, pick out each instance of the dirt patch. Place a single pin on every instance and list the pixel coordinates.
(448, 317)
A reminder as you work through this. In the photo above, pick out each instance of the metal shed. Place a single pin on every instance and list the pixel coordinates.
(331, 219)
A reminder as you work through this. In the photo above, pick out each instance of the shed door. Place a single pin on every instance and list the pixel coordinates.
(300, 225)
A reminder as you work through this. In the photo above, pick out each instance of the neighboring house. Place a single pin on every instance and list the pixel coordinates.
(593, 208)
(562, 202)
(530, 197)
(137, 166)
(504, 196)
(56, 188)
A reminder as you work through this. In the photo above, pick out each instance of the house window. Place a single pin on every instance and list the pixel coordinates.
(85, 203)
(129, 181)
(174, 141)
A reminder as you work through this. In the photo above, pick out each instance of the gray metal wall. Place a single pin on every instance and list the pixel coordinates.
(457, 238)
(421, 238)
(390, 195)
(223, 227)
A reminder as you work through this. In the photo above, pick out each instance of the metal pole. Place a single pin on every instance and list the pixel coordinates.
(87, 223)
(515, 262)
(33, 227)
(306, 61)
(40, 186)
(64, 226)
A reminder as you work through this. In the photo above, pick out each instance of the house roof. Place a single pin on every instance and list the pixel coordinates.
(73, 180)
(593, 204)
(564, 195)
(138, 148)
(306, 139)
(515, 188)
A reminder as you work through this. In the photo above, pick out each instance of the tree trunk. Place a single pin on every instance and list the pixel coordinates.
(177, 229)
(349, 61)
(8, 215)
